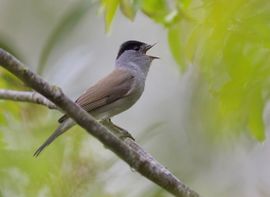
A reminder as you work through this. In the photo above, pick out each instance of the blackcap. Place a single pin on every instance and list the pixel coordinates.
(115, 93)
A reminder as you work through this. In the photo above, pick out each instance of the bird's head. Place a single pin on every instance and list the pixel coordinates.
(136, 48)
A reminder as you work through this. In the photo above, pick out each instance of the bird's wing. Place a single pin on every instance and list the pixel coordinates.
(116, 85)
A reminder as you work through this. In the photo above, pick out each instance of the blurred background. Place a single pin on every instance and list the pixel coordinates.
(204, 113)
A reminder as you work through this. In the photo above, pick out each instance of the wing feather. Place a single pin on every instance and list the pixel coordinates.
(116, 85)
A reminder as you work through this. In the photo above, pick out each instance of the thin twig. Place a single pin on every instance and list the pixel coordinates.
(26, 96)
(127, 150)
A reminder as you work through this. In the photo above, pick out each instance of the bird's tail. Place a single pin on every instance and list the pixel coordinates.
(63, 127)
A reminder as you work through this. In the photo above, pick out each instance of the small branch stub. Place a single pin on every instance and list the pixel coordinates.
(26, 96)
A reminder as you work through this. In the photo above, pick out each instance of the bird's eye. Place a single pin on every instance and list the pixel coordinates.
(136, 48)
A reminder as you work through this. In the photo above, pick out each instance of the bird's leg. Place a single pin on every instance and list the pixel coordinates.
(118, 131)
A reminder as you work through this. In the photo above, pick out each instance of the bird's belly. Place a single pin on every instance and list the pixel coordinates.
(116, 107)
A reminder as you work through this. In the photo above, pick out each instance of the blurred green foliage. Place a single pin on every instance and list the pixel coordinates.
(53, 174)
(229, 43)
(110, 8)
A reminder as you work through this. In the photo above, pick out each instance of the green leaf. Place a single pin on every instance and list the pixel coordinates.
(66, 24)
(174, 40)
(185, 3)
(110, 7)
(155, 9)
(129, 8)
(2, 143)
(10, 81)
(255, 121)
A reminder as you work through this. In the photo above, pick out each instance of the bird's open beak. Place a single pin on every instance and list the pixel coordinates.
(147, 47)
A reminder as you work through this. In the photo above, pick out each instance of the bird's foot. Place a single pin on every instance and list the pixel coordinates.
(118, 131)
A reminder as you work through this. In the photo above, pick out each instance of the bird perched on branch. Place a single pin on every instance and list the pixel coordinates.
(115, 93)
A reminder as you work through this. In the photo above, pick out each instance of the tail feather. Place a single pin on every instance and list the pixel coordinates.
(63, 127)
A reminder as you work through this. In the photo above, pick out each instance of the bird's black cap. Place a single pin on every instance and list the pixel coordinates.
(130, 45)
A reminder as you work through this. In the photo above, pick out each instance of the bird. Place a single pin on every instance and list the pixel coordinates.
(116, 92)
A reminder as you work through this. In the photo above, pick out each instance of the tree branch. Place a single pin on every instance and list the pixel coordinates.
(127, 149)
(26, 96)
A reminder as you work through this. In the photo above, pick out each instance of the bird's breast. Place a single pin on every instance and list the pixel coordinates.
(121, 104)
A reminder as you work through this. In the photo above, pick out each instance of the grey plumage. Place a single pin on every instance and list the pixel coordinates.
(116, 92)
